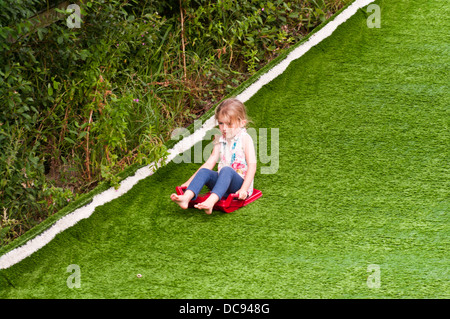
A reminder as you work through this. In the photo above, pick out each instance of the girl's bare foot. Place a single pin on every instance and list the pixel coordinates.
(182, 200)
(208, 204)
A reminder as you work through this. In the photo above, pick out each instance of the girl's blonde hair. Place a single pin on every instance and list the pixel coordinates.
(233, 110)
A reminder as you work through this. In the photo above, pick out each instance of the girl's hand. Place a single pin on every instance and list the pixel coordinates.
(242, 194)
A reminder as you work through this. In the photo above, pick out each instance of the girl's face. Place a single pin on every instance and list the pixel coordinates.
(229, 128)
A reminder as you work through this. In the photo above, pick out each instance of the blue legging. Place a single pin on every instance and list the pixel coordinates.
(226, 182)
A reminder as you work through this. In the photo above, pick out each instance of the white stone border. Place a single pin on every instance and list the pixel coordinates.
(16, 255)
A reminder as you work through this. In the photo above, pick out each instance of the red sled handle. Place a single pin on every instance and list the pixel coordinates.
(229, 199)
(180, 190)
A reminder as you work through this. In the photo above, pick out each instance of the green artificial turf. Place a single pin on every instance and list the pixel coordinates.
(362, 182)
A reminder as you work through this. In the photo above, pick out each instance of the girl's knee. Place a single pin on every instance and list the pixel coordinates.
(226, 169)
(204, 171)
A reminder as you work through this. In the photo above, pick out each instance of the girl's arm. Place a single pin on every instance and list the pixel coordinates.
(210, 163)
(250, 157)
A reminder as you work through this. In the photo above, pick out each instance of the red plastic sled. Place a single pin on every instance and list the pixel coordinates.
(228, 205)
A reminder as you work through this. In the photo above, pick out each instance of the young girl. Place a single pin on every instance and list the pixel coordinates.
(234, 151)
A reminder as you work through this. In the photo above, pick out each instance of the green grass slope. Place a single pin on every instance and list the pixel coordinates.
(362, 180)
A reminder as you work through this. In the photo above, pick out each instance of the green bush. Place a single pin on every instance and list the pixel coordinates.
(252, 31)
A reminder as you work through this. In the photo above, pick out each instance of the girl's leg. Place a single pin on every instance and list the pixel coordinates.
(227, 182)
(203, 177)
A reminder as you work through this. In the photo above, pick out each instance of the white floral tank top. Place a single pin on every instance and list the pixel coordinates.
(233, 155)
